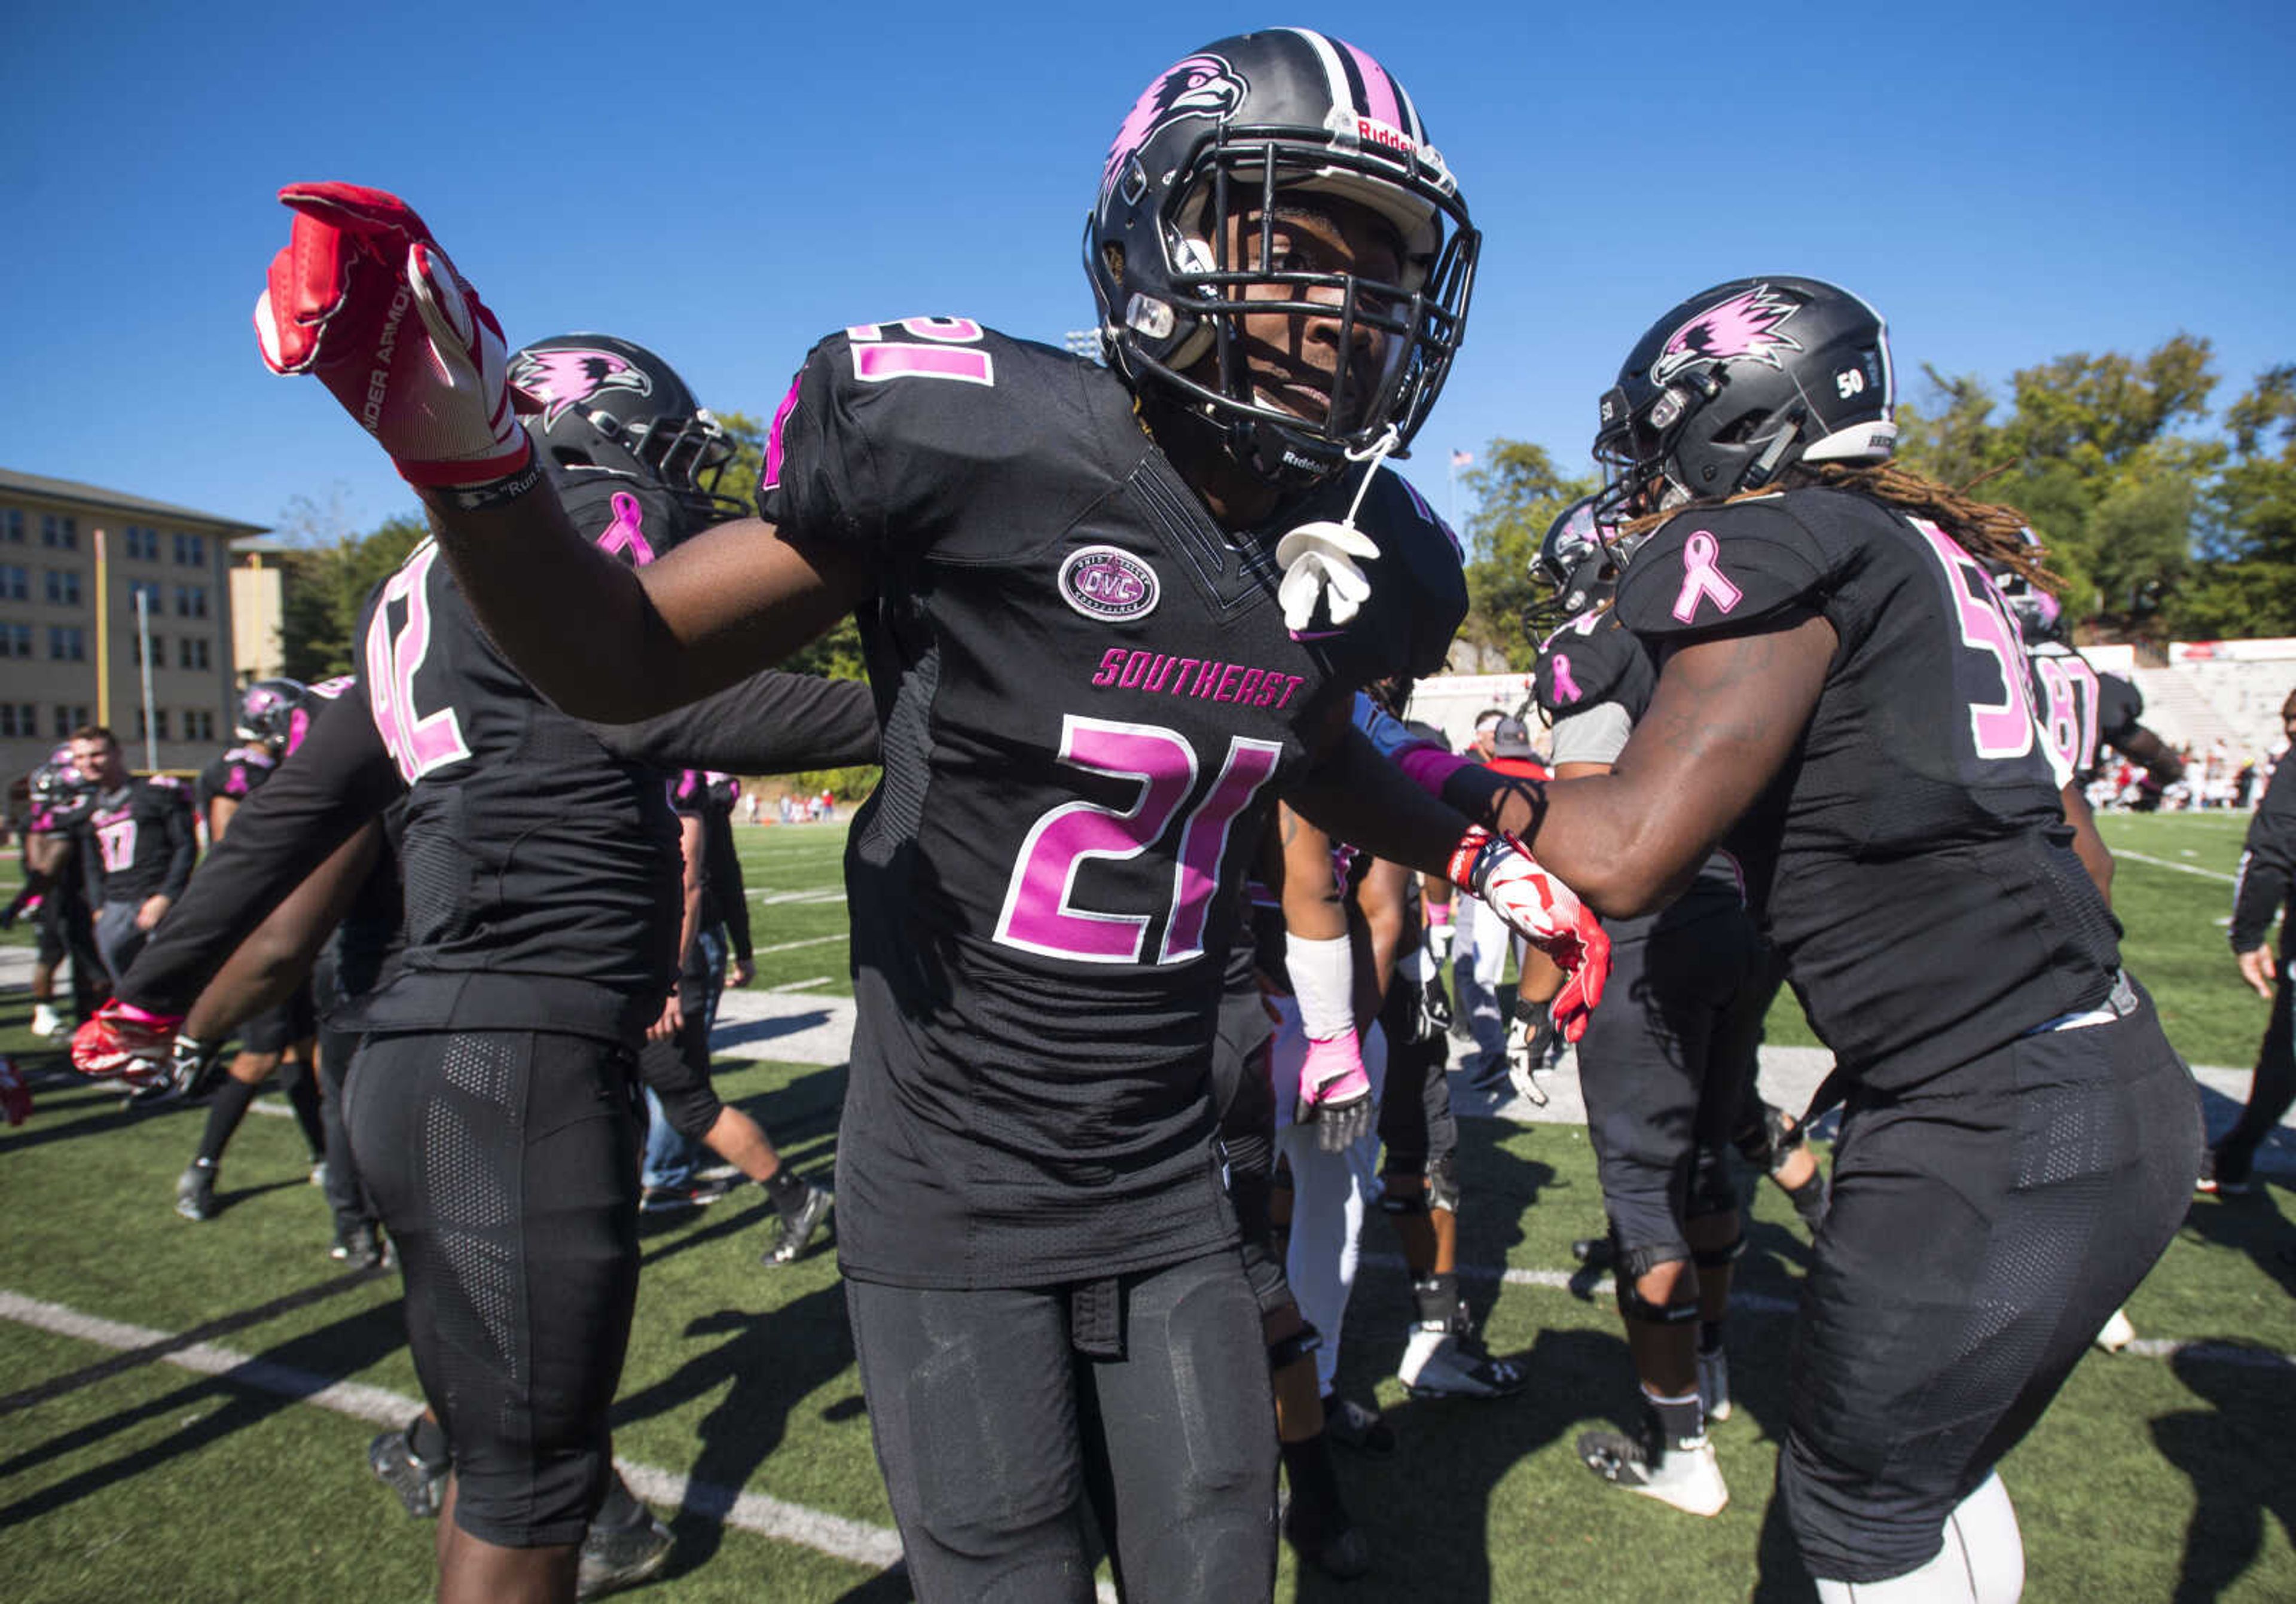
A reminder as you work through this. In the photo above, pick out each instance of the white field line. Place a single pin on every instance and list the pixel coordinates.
(790, 946)
(2159, 863)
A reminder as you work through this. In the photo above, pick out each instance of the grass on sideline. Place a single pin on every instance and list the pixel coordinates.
(2150, 1479)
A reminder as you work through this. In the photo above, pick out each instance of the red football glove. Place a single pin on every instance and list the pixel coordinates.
(15, 1095)
(431, 389)
(1543, 912)
(125, 1040)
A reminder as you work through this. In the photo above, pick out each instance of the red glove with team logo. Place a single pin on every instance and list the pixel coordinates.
(431, 387)
(125, 1040)
(1543, 912)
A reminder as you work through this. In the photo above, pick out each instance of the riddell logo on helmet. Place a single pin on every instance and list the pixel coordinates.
(1371, 131)
(568, 375)
(1743, 328)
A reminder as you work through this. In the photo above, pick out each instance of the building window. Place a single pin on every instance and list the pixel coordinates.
(192, 649)
(68, 719)
(191, 550)
(157, 726)
(15, 640)
(199, 726)
(154, 595)
(59, 532)
(11, 526)
(64, 587)
(143, 543)
(191, 601)
(15, 583)
(159, 650)
(20, 720)
(66, 644)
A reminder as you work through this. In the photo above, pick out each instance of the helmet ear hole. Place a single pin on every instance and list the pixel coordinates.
(1111, 257)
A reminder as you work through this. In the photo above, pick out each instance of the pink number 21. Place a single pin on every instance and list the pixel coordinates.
(417, 742)
(1039, 914)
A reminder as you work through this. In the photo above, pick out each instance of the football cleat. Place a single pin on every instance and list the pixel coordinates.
(47, 1023)
(1685, 1475)
(421, 1484)
(619, 1556)
(360, 1243)
(1714, 1383)
(798, 1229)
(1342, 1555)
(674, 1199)
(2117, 1334)
(196, 1190)
(1357, 1425)
(2223, 1174)
(1440, 1362)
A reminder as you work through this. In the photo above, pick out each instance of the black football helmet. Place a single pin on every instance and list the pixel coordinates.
(611, 403)
(1230, 128)
(1738, 384)
(2038, 614)
(58, 782)
(266, 711)
(1578, 562)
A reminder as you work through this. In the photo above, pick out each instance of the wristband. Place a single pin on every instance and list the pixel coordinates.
(1428, 767)
(493, 493)
(1323, 976)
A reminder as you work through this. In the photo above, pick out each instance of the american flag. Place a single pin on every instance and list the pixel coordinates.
(1462, 459)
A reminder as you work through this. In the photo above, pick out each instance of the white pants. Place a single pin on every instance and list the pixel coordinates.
(1330, 1192)
(1477, 962)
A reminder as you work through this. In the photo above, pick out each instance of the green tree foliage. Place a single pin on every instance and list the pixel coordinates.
(1518, 492)
(2090, 452)
(326, 581)
(2244, 582)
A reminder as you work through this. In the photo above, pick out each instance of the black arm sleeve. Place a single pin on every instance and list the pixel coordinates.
(2267, 863)
(724, 866)
(769, 723)
(91, 862)
(337, 780)
(183, 850)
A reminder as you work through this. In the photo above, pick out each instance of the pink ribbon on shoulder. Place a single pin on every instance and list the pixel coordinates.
(1702, 579)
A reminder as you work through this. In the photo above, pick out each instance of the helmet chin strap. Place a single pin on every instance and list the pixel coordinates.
(1318, 557)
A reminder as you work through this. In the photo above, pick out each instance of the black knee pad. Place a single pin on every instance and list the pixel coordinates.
(1708, 1258)
(1632, 1264)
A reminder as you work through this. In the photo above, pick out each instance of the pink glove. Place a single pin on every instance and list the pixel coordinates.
(125, 1040)
(1335, 1092)
(431, 387)
(1543, 912)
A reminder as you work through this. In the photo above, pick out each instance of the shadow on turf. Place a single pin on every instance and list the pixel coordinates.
(2250, 1224)
(332, 1352)
(767, 1364)
(2237, 1452)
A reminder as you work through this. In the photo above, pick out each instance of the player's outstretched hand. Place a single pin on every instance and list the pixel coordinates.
(431, 387)
(1335, 1094)
(1543, 912)
(126, 1041)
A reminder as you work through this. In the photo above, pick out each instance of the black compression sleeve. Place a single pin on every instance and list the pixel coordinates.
(770, 723)
(725, 886)
(183, 849)
(337, 780)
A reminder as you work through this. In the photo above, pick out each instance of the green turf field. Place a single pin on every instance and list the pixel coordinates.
(186, 1451)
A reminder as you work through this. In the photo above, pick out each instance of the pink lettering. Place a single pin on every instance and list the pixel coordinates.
(1207, 678)
(1229, 675)
(1250, 683)
(1292, 681)
(1161, 672)
(1110, 663)
(1136, 669)
(1702, 579)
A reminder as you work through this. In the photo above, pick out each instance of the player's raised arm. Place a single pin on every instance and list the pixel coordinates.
(363, 299)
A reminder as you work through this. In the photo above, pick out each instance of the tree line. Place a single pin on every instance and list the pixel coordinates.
(2162, 519)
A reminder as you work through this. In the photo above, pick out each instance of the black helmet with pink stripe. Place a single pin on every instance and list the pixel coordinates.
(1231, 129)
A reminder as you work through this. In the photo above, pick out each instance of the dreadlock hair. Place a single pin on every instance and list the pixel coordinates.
(1992, 534)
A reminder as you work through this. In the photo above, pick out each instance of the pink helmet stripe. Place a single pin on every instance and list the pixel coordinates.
(1379, 89)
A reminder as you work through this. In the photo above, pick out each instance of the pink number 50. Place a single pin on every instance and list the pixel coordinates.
(417, 743)
(1039, 914)
(2002, 729)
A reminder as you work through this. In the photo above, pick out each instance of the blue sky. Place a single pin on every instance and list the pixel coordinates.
(2006, 181)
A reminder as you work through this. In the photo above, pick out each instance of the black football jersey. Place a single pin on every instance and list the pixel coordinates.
(1912, 860)
(1592, 660)
(233, 775)
(136, 841)
(2120, 706)
(2081, 711)
(1089, 701)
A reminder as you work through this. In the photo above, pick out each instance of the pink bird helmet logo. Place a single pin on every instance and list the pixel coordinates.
(1109, 584)
(1201, 86)
(568, 375)
(1743, 328)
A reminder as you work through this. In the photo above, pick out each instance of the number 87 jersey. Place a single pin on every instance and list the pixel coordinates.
(1089, 701)
(1913, 863)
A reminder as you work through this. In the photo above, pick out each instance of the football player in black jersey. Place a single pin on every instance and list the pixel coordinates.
(1109, 615)
(2266, 883)
(55, 894)
(1664, 1063)
(136, 845)
(282, 1038)
(1842, 702)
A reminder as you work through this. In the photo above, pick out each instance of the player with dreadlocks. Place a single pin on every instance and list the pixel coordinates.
(1842, 702)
